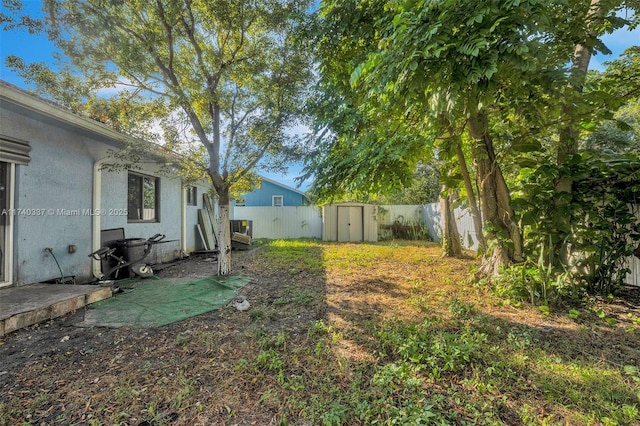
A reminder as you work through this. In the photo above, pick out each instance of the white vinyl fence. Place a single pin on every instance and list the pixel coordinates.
(429, 214)
(306, 222)
(633, 277)
(282, 222)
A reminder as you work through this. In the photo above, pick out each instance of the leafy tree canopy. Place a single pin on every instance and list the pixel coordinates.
(228, 77)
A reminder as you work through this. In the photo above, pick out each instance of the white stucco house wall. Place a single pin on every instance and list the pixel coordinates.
(55, 194)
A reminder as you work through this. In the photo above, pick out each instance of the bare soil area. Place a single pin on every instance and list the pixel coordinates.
(82, 365)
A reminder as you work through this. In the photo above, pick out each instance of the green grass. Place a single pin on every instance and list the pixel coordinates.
(428, 347)
(468, 368)
(442, 372)
(294, 256)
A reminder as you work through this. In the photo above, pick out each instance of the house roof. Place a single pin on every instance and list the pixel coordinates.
(274, 182)
(21, 101)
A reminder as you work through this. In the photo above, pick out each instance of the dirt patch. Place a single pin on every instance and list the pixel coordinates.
(98, 355)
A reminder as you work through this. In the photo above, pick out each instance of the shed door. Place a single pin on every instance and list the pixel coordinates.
(350, 224)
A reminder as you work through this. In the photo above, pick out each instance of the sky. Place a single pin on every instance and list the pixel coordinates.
(34, 48)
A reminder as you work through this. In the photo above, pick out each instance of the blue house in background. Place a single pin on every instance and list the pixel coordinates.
(273, 194)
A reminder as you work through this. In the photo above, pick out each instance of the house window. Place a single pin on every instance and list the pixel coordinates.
(143, 198)
(277, 201)
(192, 196)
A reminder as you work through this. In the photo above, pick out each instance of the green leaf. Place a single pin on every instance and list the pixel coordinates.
(355, 75)
(526, 162)
(527, 146)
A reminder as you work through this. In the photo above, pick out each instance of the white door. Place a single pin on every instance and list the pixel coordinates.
(350, 224)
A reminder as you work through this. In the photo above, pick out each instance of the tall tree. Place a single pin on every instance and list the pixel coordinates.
(363, 152)
(580, 107)
(482, 63)
(231, 72)
(451, 244)
(445, 62)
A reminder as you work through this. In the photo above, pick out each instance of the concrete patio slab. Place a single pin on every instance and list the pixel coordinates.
(27, 305)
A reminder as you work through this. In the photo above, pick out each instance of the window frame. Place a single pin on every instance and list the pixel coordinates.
(156, 207)
(273, 200)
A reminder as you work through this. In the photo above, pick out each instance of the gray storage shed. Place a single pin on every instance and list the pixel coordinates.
(350, 222)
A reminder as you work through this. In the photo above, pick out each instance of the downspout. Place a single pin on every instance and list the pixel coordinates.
(97, 202)
(183, 228)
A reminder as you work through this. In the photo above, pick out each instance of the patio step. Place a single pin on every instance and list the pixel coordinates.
(31, 304)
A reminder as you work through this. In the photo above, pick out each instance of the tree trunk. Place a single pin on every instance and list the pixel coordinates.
(224, 233)
(473, 203)
(468, 184)
(222, 189)
(495, 199)
(451, 246)
(569, 134)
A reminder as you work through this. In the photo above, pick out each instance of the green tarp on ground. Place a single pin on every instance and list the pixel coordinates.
(156, 302)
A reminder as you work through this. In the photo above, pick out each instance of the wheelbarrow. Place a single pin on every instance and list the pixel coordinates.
(121, 258)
